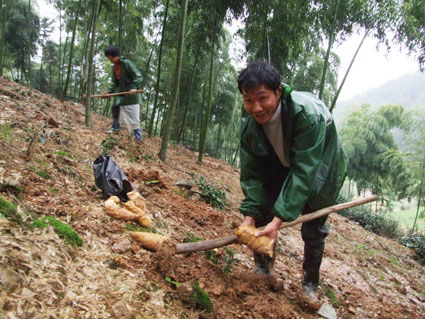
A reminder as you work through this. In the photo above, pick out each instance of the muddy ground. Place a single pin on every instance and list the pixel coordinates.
(46, 155)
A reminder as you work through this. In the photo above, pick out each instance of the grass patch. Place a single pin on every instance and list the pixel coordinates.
(40, 172)
(190, 238)
(201, 298)
(6, 133)
(134, 227)
(332, 296)
(393, 261)
(63, 230)
(9, 210)
(63, 154)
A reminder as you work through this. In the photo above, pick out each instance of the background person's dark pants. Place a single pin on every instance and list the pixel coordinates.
(115, 116)
(313, 234)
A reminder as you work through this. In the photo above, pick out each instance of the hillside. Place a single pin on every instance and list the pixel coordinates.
(46, 167)
(408, 90)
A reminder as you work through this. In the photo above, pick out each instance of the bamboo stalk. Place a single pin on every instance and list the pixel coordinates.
(114, 94)
(224, 241)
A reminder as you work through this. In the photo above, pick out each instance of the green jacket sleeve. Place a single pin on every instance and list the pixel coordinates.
(252, 183)
(306, 156)
(135, 75)
(113, 85)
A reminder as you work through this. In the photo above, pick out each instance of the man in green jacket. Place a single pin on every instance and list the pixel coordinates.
(292, 163)
(125, 76)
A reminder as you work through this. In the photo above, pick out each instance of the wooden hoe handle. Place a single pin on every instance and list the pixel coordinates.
(114, 94)
(220, 242)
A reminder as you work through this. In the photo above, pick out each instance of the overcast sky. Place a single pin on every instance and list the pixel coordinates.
(371, 67)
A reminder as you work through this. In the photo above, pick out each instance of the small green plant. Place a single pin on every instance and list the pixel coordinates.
(52, 190)
(201, 298)
(172, 281)
(332, 296)
(148, 158)
(154, 181)
(7, 133)
(130, 156)
(40, 172)
(371, 252)
(213, 196)
(229, 259)
(393, 261)
(63, 154)
(132, 227)
(211, 255)
(190, 238)
(63, 230)
(107, 145)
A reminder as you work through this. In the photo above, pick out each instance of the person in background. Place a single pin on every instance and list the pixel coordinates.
(125, 77)
(292, 163)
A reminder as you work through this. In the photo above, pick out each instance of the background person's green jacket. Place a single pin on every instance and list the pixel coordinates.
(130, 78)
(318, 163)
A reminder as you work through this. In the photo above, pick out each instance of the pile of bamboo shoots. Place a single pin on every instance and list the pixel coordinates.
(135, 210)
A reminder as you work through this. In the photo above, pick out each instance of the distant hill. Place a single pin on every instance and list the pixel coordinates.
(407, 90)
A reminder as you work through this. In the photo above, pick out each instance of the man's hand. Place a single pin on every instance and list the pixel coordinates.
(271, 229)
(248, 221)
(132, 91)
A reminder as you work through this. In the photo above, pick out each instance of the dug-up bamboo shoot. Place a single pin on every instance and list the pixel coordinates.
(150, 241)
(132, 210)
(262, 245)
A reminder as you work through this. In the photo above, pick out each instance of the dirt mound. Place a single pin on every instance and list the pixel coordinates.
(46, 169)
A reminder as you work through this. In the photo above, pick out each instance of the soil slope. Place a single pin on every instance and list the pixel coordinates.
(46, 155)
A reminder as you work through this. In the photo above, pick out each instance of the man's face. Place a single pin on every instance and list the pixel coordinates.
(113, 59)
(261, 102)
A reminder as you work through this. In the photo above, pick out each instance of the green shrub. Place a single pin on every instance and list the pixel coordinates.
(384, 226)
(63, 230)
(201, 298)
(415, 241)
(213, 196)
(376, 222)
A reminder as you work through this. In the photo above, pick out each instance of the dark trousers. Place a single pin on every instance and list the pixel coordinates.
(313, 233)
(115, 116)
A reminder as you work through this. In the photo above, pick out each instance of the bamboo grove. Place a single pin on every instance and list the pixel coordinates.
(190, 53)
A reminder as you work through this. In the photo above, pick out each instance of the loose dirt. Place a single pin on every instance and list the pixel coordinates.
(46, 168)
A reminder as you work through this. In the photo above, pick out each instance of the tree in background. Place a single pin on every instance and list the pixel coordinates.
(176, 84)
(375, 162)
(21, 39)
(414, 146)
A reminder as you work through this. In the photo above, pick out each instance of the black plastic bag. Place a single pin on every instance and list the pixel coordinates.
(110, 178)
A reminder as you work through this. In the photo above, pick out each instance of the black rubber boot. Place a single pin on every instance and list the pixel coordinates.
(313, 255)
(310, 290)
(311, 265)
(263, 264)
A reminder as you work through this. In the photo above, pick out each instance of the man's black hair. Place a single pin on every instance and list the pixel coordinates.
(112, 51)
(258, 73)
